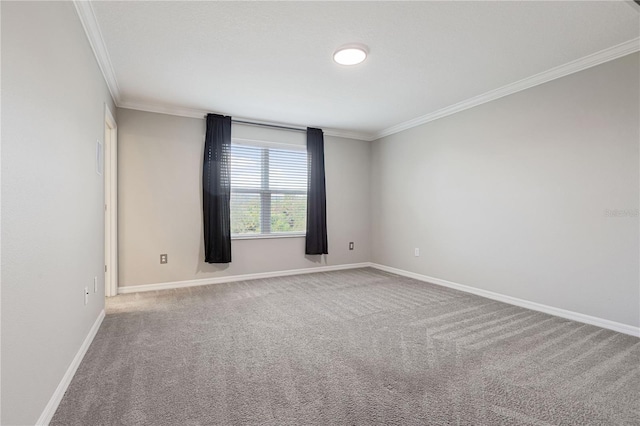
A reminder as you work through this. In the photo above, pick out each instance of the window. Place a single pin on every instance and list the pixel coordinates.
(268, 189)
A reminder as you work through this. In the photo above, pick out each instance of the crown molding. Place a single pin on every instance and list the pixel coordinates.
(583, 63)
(94, 35)
(164, 109)
(349, 135)
(92, 29)
(200, 114)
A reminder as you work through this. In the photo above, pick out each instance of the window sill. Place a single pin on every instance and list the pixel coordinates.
(267, 236)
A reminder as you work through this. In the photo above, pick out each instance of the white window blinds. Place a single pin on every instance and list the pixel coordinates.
(268, 189)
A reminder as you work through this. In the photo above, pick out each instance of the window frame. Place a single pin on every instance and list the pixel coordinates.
(264, 192)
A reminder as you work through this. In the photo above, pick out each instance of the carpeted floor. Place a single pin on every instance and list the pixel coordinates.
(349, 347)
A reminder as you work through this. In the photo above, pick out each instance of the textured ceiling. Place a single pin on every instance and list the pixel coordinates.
(271, 61)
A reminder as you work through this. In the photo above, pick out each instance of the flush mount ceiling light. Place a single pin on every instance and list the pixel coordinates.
(350, 54)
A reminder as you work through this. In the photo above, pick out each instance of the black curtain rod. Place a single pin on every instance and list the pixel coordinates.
(251, 123)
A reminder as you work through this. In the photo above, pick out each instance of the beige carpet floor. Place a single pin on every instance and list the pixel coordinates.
(352, 347)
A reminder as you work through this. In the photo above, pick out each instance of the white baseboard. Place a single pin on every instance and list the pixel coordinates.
(52, 406)
(575, 316)
(234, 278)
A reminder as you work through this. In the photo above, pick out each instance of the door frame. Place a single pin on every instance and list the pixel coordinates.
(110, 203)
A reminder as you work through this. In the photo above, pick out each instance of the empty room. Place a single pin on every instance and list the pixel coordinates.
(320, 213)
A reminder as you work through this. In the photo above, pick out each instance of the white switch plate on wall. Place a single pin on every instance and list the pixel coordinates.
(416, 252)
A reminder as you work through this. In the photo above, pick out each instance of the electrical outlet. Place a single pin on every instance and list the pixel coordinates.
(86, 295)
(163, 258)
(351, 245)
(416, 252)
(95, 284)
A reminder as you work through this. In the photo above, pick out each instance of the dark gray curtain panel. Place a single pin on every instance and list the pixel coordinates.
(316, 242)
(216, 189)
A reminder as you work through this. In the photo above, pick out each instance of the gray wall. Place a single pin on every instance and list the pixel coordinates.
(160, 207)
(53, 97)
(511, 196)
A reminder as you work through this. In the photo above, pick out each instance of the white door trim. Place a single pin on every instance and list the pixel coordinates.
(111, 203)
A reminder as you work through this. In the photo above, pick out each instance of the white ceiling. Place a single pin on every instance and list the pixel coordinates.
(272, 61)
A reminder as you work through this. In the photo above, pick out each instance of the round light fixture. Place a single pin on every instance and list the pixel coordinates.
(350, 54)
